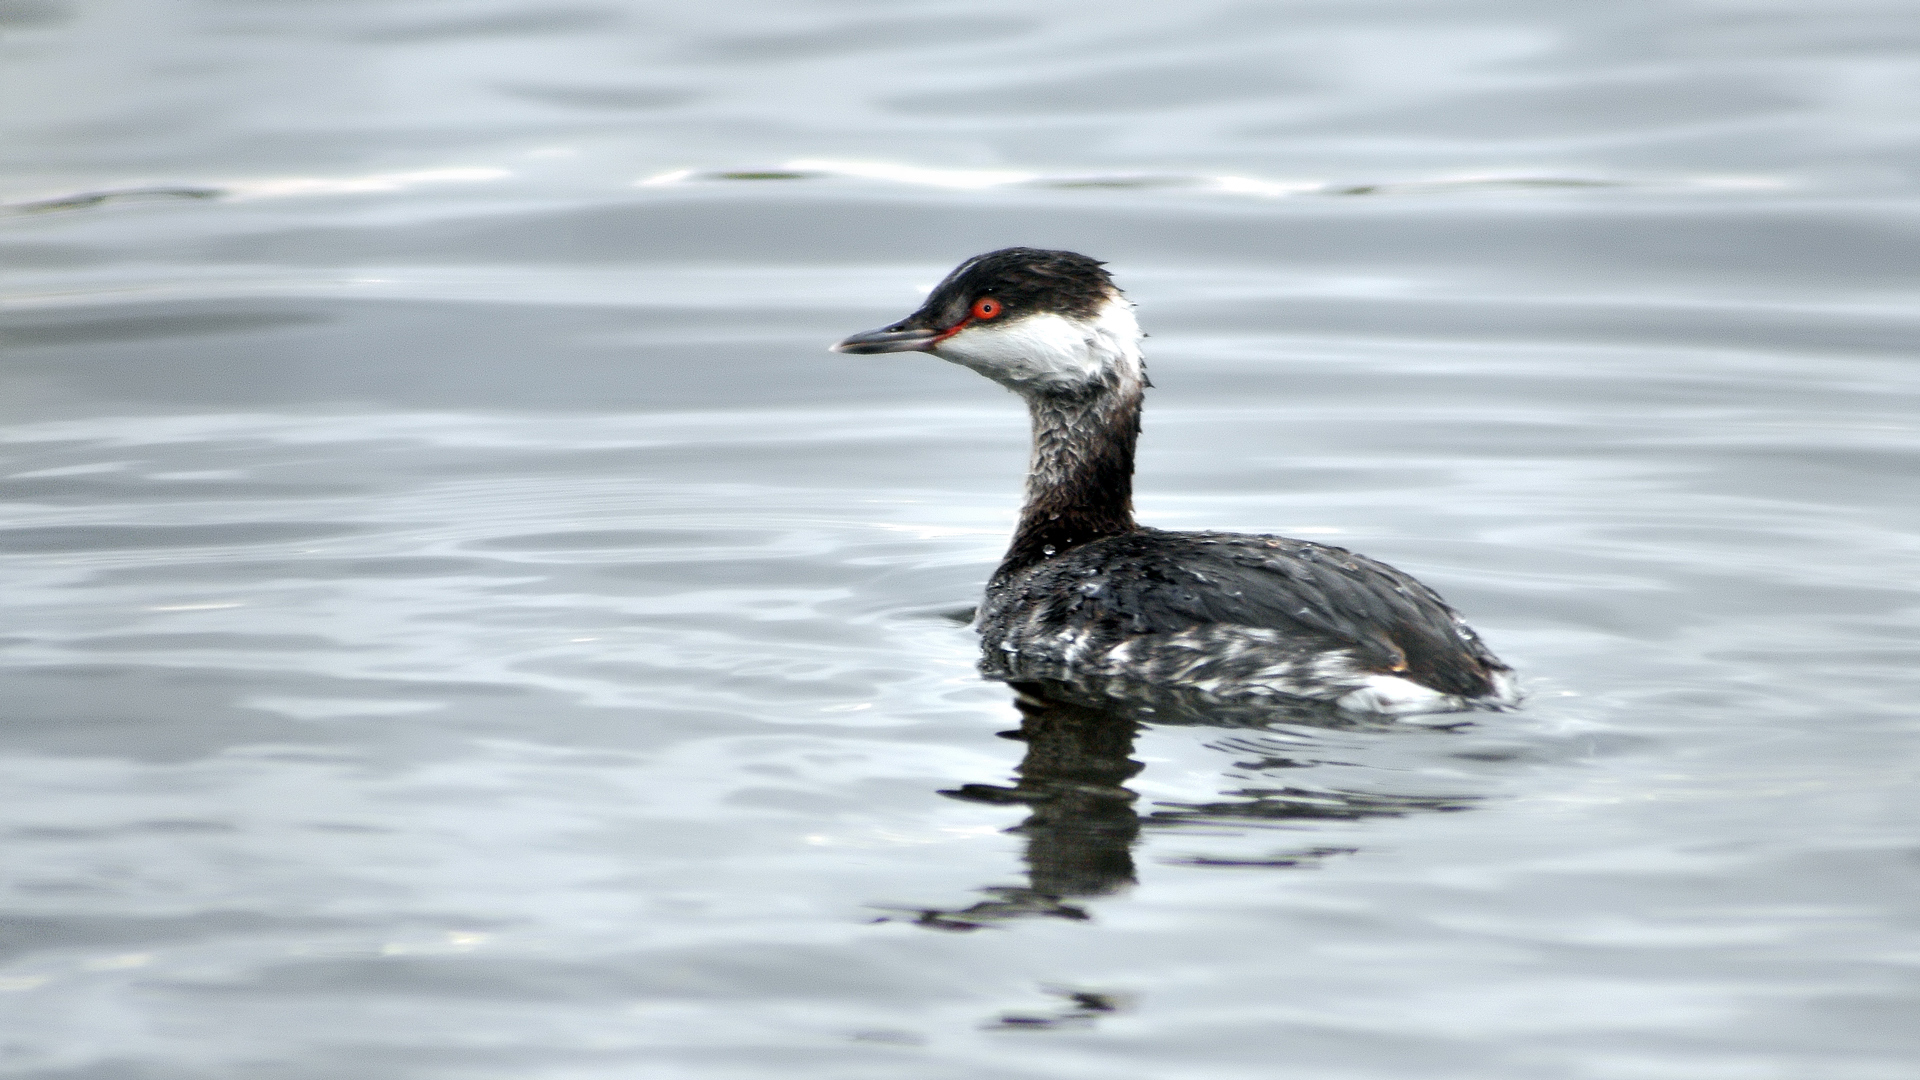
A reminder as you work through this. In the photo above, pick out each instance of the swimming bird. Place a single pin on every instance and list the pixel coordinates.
(1088, 597)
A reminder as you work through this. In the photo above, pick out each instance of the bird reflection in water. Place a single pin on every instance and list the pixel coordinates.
(1081, 830)
(1083, 823)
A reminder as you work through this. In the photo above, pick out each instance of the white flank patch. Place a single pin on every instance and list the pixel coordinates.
(1506, 689)
(1395, 696)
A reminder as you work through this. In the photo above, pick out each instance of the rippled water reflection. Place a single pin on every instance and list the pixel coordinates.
(463, 624)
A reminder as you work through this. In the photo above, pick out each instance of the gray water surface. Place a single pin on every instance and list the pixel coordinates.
(461, 624)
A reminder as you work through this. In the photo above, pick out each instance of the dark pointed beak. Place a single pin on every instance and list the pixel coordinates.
(889, 339)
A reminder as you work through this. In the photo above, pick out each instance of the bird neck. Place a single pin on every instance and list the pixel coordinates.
(1080, 477)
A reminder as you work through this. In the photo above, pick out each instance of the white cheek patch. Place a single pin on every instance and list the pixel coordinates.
(1037, 351)
(1051, 351)
(1116, 330)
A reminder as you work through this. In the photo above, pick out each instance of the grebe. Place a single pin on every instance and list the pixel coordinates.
(1087, 597)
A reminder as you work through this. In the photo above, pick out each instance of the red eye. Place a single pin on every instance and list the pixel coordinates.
(986, 308)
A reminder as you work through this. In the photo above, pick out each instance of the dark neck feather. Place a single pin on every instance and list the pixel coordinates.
(1080, 479)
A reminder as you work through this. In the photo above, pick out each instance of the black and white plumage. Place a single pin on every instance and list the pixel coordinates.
(1085, 596)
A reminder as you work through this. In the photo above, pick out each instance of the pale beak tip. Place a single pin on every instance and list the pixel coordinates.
(887, 341)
